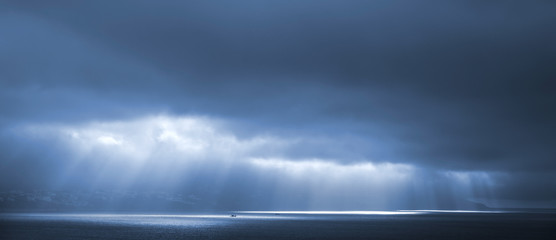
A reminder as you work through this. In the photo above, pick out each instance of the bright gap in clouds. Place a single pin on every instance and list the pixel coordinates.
(108, 140)
(201, 156)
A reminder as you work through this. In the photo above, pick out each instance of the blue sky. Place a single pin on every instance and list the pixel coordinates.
(262, 105)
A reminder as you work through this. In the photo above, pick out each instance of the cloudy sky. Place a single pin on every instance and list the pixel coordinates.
(290, 105)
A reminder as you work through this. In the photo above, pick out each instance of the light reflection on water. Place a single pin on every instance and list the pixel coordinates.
(192, 220)
(207, 220)
(334, 212)
(280, 225)
(458, 211)
(130, 219)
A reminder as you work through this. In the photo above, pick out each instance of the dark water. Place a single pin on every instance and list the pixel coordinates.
(415, 225)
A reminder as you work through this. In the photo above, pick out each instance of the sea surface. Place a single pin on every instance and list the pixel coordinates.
(282, 225)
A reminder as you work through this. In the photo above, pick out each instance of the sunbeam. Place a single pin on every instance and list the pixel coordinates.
(201, 157)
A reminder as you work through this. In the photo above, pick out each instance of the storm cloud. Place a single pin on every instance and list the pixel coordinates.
(457, 98)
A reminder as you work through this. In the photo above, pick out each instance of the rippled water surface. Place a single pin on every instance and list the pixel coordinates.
(282, 225)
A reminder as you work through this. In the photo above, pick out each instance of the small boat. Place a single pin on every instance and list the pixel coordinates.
(233, 215)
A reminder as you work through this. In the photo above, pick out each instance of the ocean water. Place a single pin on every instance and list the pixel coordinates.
(282, 225)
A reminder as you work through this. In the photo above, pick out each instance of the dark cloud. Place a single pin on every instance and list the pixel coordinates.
(461, 85)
